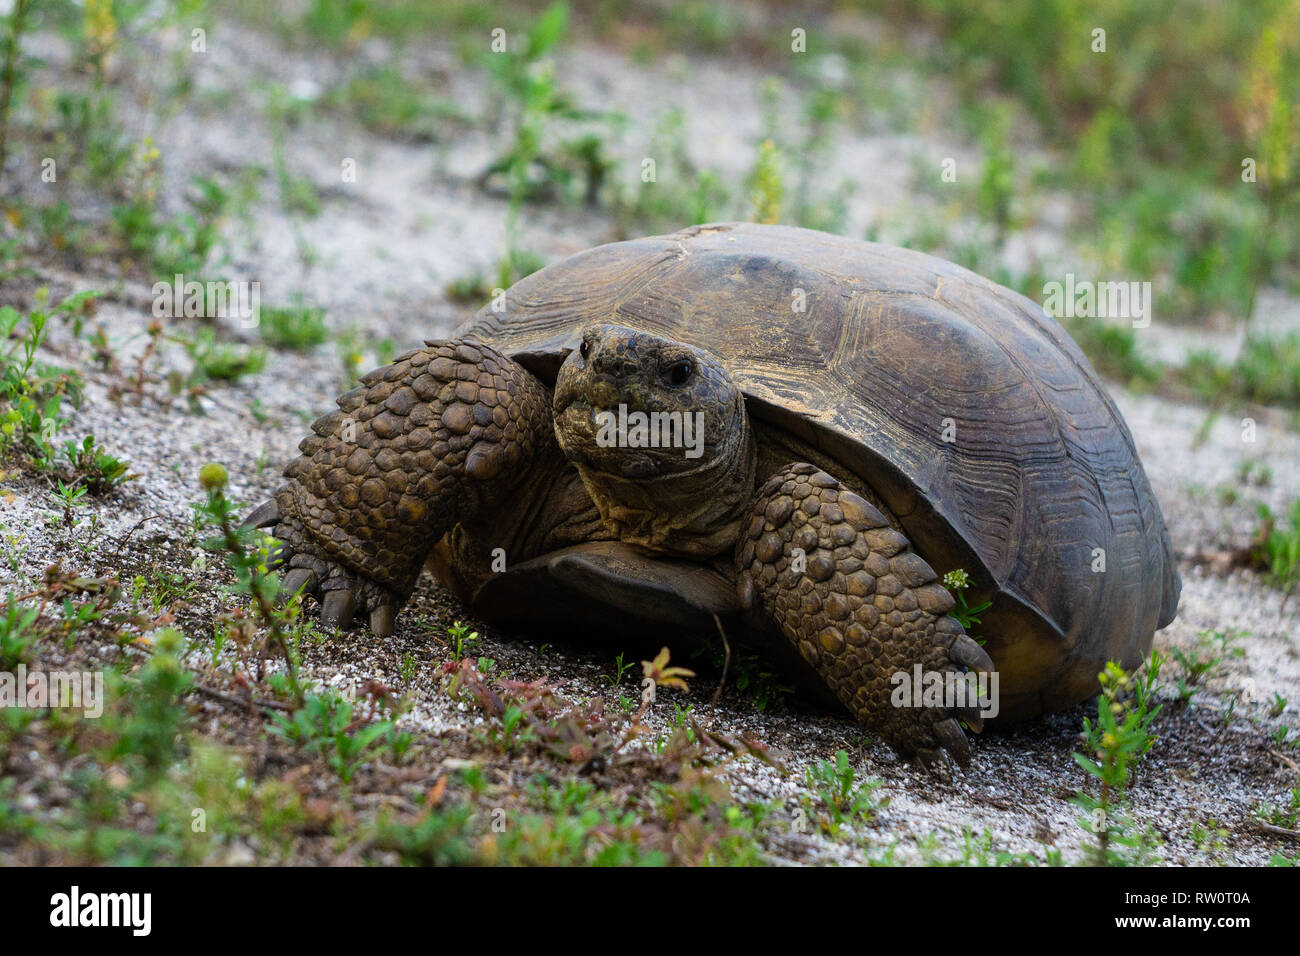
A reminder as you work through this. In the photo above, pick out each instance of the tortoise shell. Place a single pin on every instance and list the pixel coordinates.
(970, 412)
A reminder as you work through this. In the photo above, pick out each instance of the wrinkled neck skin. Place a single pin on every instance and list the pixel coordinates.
(694, 514)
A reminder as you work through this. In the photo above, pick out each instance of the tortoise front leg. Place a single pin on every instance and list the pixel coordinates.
(861, 607)
(436, 438)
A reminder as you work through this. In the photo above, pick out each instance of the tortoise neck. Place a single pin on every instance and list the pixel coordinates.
(695, 514)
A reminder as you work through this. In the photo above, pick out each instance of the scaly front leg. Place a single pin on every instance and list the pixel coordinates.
(860, 606)
(434, 439)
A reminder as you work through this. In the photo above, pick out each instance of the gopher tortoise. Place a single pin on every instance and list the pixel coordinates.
(762, 429)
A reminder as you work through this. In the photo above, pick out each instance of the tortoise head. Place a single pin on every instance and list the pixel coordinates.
(659, 433)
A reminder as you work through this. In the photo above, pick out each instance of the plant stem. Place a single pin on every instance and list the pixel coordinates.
(265, 608)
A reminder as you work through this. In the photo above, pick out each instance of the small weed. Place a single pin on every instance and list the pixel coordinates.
(222, 361)
(252, 580)
(390, 104)
(1282, 816)
(10, 75)
(462, 639)
(1251, 471)
(436, 838)
(620, 670)
(295, 326)
(298, 196)
(843, 799)
(31, 393)
(17, 632)
(1278, 550)
(1119, 737)
(1203, 660)
(1209, 838)
(472, 288)
(406, 669)
(94, 467)
(536, 108)
(325, 724)
(765, 186)
(957, 582)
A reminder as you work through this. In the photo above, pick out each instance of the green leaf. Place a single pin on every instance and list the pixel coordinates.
(548, 30)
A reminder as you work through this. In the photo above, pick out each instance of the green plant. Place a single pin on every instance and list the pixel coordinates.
(222, 361)
(297, 195)
(620, 670)
(998, 182)
(1210, 837)
(68, 499)
(295, 326)
(535, 108)
(391, 104)
(512, 730)
(94, 467)
(1286, 816)
(1251, 471)
(32, 393)
(516, 264)
(462, 639)
(674, 192)
(407, 667)
(437, 837)
(1279, 547)
(1171, 209)
(17, 632)
(325, 724)
(1266, 370)
(977, 850)
(252, 579)
(1203, 660)
(843, 799)
(1119, 737)
(765, 186)
(790, 174)
(472, 287)
(155, 719)
(1274, 127)
(184, 244)
(957, 581)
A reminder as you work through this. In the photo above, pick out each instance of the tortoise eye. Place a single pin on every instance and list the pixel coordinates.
(679, 373)
(584, 349)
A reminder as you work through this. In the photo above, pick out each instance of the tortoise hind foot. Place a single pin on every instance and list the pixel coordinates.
(438, 437)
(864, 610)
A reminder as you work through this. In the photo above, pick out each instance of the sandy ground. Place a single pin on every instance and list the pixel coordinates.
(415, 220)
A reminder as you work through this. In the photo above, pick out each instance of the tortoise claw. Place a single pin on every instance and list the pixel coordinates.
(948, 733)
(298, 580)
(337, 608)
(935, 762)
(973, 718)
(264, 515)
(966, 651)
(381, 620)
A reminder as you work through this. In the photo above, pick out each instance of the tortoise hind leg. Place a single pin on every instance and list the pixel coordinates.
(438, 437)
(860, 607)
